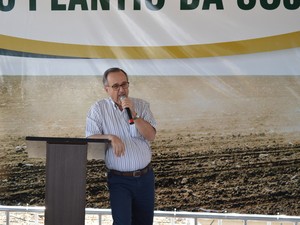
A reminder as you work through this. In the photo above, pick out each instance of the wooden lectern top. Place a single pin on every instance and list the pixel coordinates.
(36, 146)
(66, 140)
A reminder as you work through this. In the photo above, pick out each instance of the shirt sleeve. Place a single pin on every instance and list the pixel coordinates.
(93, 122)
(143, 110)
(147, 114)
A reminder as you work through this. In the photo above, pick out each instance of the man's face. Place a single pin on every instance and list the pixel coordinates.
(117, 86)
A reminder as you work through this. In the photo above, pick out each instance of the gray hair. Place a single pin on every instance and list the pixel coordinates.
(111, 70)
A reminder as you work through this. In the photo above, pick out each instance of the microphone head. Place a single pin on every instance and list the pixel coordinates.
(122, 97)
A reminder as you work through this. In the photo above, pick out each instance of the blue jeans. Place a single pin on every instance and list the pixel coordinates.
(132, 199)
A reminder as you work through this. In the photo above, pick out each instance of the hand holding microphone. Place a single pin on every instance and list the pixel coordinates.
(130, 120)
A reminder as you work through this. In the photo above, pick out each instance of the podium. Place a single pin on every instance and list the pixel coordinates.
(66, 160)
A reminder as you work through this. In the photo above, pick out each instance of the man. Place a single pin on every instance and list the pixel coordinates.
(130, 175)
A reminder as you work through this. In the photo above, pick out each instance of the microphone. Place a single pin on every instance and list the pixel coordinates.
(131, 121)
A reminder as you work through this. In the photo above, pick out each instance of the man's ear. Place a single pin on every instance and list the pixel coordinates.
(106, 89)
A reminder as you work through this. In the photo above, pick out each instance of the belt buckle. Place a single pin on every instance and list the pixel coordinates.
(136, 173)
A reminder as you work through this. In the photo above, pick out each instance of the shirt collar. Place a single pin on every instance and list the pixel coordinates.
(115, 106)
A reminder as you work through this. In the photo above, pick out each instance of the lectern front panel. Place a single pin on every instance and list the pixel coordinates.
(65, 184)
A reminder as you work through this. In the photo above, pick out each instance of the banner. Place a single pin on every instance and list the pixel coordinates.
(187, 37)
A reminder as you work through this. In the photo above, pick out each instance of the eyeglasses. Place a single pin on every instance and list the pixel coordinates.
(124, 85)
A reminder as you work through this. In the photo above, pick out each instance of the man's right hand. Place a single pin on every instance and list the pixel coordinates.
(116, 142)
(117, 145)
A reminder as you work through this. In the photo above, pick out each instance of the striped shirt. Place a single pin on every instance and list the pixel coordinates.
(105, 117)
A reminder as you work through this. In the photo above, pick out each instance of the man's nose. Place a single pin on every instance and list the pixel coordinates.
(123, 89)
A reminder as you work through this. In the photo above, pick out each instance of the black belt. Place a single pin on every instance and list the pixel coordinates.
(136, 173)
